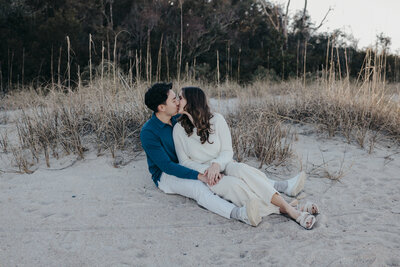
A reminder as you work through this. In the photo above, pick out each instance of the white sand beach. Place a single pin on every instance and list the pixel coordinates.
(93, 214)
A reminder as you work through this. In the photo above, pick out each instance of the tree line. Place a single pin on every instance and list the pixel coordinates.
(68, 40)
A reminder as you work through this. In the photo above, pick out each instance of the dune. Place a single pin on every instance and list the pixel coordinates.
(89, 213)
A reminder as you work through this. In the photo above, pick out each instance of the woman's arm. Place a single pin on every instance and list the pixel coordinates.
(180, 148)
(224, 135)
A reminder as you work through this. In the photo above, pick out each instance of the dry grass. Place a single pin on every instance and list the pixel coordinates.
(58, 121)
(53, 121)
(358, 114)
(4, 143)
(260, 134)
(361, 110)
(109, 112)
(336, 172)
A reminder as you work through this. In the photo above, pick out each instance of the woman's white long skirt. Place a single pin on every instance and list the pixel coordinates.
(242, 183)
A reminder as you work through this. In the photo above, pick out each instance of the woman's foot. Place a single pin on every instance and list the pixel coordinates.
(306, 220)
(308, 206)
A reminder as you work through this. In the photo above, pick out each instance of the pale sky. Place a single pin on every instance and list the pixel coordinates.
(362, 18)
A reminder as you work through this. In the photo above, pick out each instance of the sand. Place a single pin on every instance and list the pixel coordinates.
(89, 213)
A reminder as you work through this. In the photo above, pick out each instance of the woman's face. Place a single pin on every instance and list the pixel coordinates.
(182, 103)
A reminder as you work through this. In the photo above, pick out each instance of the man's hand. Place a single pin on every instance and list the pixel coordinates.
(213, 171)
(202, 178)
(212, 182)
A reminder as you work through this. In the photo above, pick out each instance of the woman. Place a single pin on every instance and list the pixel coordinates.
(203, 142)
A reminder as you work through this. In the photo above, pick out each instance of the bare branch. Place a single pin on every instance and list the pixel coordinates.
(275, 25)
(285, 23)
(305, 8)
(304, 13)
(287, 8)
(322, 21)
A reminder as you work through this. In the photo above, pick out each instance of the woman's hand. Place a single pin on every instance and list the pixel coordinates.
(213, 171)
(215, 181)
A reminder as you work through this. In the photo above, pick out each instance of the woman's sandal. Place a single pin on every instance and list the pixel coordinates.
(306, 220)
(309, 207)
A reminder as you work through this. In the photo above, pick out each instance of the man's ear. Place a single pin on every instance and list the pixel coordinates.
(161, 108)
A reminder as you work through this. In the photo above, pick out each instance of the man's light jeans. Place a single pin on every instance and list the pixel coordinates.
(196, 190)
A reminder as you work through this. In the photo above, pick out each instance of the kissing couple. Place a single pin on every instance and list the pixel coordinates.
(189, 153)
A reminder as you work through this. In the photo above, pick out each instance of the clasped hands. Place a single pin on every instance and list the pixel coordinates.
(212, 175)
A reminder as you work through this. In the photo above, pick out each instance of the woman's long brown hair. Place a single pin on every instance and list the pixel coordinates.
(198, 108)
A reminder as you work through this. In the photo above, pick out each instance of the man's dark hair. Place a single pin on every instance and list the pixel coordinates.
(157, 95)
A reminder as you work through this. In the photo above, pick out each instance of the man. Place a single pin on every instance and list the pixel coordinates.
(172, 178)
(167, 174)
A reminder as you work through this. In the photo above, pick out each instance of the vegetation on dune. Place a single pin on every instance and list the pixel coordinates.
(108, 113)
(75, 75)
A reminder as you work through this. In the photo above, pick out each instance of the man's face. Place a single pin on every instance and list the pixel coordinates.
(171, 105)
(182, 103)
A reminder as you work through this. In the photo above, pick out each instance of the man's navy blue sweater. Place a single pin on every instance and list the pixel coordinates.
(158, 143)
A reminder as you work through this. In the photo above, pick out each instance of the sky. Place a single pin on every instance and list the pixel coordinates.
(364, 19)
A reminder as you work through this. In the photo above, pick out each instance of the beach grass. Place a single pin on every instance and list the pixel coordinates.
(107, 114)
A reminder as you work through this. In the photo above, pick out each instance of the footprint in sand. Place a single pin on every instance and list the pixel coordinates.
(126, 247)
(342, 222)
(259, 254)
(46, 203)
(65, 215)
(31, 210)
(141, 254)
(393, 262)
(243, 254)
(47, 214)
(67, 239)
(396, 209)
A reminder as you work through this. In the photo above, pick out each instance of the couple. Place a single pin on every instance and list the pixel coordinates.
(201, 142)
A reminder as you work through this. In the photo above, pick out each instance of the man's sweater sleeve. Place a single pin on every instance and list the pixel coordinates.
(179, 135)
(222, 130)
(153, 148)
